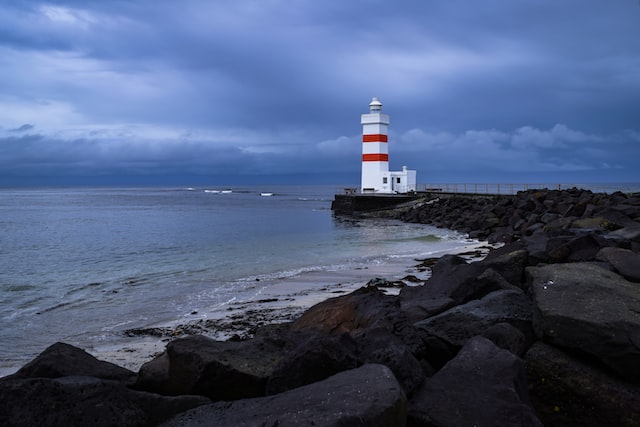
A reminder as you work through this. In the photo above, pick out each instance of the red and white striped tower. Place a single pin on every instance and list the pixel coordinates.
(375, 151)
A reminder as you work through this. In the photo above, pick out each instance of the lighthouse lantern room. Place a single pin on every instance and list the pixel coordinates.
(376, 177)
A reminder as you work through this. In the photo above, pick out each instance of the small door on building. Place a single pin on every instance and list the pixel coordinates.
(396, 184)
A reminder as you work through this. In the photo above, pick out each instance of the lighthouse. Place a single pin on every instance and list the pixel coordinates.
(376, 177)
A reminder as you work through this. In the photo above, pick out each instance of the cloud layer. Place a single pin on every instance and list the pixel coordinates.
(490, 91)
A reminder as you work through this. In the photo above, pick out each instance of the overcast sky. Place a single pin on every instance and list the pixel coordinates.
(477, 91)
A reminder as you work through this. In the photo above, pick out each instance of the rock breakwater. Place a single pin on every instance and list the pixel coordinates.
(544, 330)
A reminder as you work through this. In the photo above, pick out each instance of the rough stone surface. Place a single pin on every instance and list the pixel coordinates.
(457, 325)
(451, 277)
(454, 282)
(367, 396)
(379, 346)
(537, 248)
(316, 358)
(220, 370)
(85, 401)
(509, 262)
(580, 248)
(366, 307)
(61, 359)
(154, 375)
(507, 337)
(584, 307)
(482, 386)
(417, 307)
(568, 392)
(631, 232)
(624, 261)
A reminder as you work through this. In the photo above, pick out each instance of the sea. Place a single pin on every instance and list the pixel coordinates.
(82, 265)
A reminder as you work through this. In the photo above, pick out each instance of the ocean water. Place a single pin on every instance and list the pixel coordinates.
(81, 265)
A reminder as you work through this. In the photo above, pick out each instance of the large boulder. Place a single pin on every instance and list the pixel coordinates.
(509, 261)
(629, 236)
(536, 246)
(381, 347)
(507, 337)
(367, 396)
(85, 401)
(220, 370)
(454, 282)
(417, 306)
(615, 218)
(591, 223)
(458, 324)
(577, 248)
(317, 357)
(60, 360)
(482, 386)
(568, 392)
(65, 385)
(630, 232)
(624, 261)
(367, 307)
(586, 308)
(450, 277)
(559, 225)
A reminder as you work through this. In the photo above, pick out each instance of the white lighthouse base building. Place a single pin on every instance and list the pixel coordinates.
(403, 181)
(376, 176)
(390, 182)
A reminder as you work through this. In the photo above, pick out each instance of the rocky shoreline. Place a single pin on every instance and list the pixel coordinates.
(544, 330)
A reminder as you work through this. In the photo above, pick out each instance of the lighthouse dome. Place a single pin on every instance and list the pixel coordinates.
(375, 106)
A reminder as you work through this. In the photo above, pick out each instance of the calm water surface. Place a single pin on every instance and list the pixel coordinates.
(80, 265)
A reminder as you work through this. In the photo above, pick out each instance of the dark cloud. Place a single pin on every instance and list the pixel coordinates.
(496, 89)
(25, 127)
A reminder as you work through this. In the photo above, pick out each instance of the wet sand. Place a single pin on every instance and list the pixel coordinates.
(277, 301)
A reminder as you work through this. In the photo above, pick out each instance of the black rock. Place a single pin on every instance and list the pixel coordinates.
(509, 261)
(220, 370)
(60, 360)
(568, 392)
(586, 308)
(507, 337)
(580, 248)
(459, 324)
(316, 358)
(85, 401)
(367, 307)
(452, 282)
(624, 261)
(367, 396)
(482, 386)
(381, 347)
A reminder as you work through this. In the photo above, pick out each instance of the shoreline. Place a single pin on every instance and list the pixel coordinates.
(280, 301)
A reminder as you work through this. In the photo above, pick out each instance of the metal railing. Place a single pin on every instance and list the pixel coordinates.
(486, 188)
(512, 188)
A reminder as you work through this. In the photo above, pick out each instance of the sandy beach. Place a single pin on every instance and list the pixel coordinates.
(278, 301)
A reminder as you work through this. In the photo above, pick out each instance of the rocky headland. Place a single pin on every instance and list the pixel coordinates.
(544, 330)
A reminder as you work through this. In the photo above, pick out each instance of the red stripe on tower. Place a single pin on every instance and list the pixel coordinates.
(378, 137)
(375, 157)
